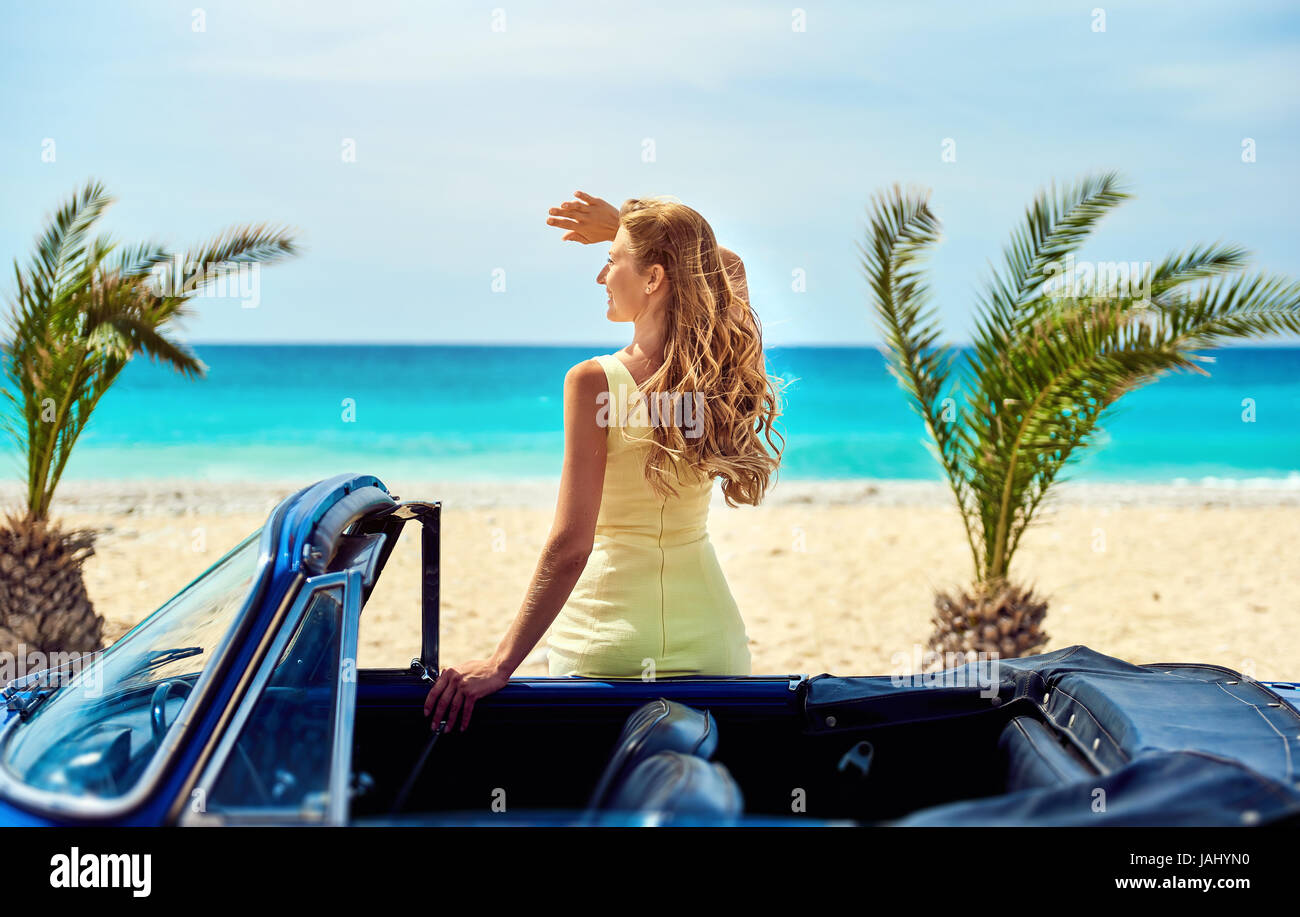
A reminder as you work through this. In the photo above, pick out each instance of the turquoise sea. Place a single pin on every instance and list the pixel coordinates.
(422, 412)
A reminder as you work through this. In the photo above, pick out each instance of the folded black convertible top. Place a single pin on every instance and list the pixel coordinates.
(1172, 744)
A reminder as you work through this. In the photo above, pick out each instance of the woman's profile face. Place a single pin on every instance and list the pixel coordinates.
(624, 285)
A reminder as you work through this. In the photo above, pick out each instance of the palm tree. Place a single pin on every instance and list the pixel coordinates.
(1051, 352)
(82, 309)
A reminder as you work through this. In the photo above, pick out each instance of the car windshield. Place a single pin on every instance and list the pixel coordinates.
(96, 733)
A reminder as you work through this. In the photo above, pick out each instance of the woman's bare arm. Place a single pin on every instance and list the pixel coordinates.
(574, 530)
(457, 688)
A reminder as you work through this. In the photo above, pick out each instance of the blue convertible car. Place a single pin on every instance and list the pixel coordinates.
(239, 702)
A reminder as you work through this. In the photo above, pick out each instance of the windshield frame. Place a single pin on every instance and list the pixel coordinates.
(62, 805)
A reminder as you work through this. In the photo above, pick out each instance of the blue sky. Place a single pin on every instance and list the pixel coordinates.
(465, 134)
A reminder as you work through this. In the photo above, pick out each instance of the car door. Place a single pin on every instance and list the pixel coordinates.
(286, 755)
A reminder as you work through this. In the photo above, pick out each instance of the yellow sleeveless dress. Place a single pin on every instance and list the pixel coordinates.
(652, 600)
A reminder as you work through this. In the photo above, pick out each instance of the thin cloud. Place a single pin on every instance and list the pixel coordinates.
(1258, 83)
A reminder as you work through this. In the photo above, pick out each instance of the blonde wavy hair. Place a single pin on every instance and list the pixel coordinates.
(713, 352)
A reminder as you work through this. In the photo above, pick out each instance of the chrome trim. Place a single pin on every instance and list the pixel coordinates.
(418, 666)
(345, 707)
(61, 805)
(271, 816)
(266, 667)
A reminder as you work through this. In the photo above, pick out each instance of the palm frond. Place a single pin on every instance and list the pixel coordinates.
(1197, 263)
(62, 244)
(1253, 305)
(902, 230)
(261, 243)
(144, 337)
(140, 261)
(1055, 225)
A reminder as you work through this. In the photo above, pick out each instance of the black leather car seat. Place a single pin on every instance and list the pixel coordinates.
(679, 784)
(661, 725)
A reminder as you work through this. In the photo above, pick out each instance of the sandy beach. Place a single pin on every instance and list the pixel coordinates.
(830, 576)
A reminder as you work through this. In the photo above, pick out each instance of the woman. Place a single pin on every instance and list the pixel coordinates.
(628, 575)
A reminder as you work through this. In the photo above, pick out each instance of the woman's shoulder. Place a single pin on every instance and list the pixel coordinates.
(587, 371)
(587, 383)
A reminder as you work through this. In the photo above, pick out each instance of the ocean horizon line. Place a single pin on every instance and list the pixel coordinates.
(827, 345)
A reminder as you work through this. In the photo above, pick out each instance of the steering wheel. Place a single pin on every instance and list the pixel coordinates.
(158, 706)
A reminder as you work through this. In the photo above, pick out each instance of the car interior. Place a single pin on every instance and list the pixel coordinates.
(729, 759)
